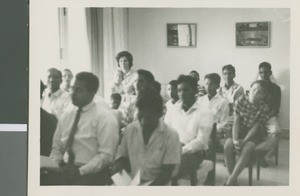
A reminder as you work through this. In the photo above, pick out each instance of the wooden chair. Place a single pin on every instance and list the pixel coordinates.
(254, 159)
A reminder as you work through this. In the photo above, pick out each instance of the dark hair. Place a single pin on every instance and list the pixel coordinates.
(214, 77)
(263, 84)
(173, 83)
(194, 71)
(128, 55)
(229, 68)
(58, 71)
(150, 100)
(148, 75)
(42, 88)
(189, 80)
(157, 86)
(116, 96)
(92, 81)
(266, 65)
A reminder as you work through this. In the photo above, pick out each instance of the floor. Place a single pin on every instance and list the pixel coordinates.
(270, 176)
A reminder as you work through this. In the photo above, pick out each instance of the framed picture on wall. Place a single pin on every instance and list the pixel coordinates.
(181, 34)
(253, 34)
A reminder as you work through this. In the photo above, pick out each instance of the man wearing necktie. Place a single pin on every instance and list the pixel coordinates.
(86, 137)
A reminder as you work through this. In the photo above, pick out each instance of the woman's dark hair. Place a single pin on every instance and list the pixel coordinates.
(173, 83)
(128, 55)
(157, 86)
(189, 80)
(43, 87)
(147, 74)
(148, 99)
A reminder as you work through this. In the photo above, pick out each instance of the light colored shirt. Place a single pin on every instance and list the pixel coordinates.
(95, 140)
(163, 148)
(101, 102)
(56, 103)
(231, 94)
(170, 105)
(218, 106)
(128, 109)
(128, 81)
(118, 115)
(194, 126)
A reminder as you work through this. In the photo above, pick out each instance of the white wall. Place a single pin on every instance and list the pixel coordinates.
(215, 45)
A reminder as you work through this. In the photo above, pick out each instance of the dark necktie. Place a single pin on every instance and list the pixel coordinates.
(70, 141)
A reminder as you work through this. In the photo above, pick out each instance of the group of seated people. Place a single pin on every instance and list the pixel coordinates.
(140, 132)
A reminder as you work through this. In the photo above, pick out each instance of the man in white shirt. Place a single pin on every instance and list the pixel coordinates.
(86, 152)
(67, 78)
(216, 104)
(192, 123)
(55, 100)
(230, 91)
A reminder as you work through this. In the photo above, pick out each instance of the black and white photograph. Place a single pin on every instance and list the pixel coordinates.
(162, 96)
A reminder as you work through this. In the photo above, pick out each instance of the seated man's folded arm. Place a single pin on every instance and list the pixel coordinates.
(57, 146)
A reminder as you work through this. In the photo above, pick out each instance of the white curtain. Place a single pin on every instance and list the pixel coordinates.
(108, 34)
(78, 45)
(115, 39)
(94, 18)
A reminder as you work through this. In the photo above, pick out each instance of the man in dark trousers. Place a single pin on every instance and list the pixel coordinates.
(86, 137)
(272, 127)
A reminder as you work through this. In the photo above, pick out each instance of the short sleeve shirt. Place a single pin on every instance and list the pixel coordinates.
(233, 93)
(163, 148)
(250, 113)
(56, 103)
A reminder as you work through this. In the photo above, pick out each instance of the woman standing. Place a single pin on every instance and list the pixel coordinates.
(125, 62)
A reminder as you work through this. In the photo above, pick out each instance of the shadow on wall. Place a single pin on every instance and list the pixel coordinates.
(283, 80)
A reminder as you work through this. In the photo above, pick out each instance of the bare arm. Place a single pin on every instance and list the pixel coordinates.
(251, 133)
(236, 127)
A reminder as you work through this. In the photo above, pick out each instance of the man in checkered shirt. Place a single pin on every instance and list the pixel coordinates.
(250, 114)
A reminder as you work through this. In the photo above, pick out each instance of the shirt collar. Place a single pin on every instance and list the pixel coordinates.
(56, 94)
(195, 106)
(160, 127)
(88, 106)
(214, 97)
(128, 73)
(232, 86)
